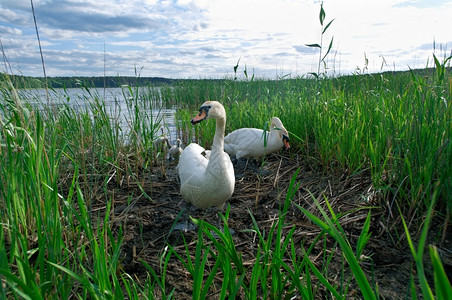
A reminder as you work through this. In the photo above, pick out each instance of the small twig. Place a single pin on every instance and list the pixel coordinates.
(277, 173)
(257, 193)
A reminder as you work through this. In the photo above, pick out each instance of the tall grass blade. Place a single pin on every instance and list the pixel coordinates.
(330, 226)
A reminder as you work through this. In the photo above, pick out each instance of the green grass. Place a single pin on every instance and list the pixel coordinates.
(50, 247)
(396, 125)
(54, 162)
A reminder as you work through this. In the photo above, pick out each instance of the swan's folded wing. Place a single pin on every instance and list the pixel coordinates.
(230, 172)
(245, 142)
(241, 137)
(191, 169)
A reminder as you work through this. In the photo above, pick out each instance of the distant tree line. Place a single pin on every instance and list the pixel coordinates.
(20, 81)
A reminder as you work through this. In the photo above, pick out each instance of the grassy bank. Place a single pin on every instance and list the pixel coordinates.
(396, 125)
(57, 166)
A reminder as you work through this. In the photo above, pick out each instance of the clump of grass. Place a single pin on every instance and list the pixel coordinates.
(331, 226)
(52, 166)
(441, 282)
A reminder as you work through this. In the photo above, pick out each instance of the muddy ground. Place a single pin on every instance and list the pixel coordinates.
(147, 221)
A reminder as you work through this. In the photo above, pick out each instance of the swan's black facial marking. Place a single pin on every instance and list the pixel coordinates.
(286, 139)
(206, 108)
(203, 114)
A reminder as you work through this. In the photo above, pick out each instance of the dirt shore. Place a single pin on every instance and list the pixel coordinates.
(147, 216)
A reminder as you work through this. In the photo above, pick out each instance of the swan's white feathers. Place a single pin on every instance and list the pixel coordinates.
(191, 164)
(250, 142)
(207, 180)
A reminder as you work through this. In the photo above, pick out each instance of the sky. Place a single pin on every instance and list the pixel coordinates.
(201, 39)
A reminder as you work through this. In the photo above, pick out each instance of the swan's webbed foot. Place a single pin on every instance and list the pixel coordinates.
(221, 228)
(185, 226)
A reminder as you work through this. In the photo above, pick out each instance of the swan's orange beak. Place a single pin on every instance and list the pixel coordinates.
(285, 140)
(201, 116)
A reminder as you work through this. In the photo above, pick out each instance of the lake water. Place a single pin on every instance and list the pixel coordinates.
(115, 104)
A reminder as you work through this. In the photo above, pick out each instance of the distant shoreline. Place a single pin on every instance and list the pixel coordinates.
(21, 81)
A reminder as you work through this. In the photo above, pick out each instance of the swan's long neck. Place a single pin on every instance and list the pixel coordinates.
(217, 165)
(218, 139)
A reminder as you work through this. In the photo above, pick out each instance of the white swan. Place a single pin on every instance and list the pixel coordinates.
(249, 142)
(207, 182)
(176, 150)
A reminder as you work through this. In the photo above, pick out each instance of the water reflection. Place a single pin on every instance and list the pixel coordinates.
(115, 103)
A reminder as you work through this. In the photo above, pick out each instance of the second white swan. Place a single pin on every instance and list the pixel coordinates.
(250, 142)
